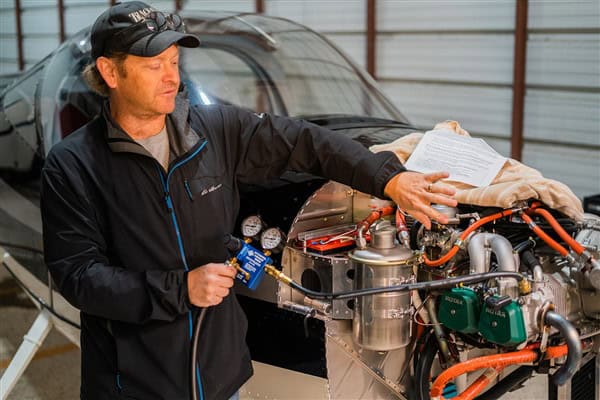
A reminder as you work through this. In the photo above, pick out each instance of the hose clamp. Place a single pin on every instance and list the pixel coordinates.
(547, 306)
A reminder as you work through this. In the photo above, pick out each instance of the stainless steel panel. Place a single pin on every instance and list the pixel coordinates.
(333, 197)
(360, 374)
(331, 271)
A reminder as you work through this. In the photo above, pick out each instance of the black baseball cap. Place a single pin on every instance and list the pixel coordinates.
(136, 28)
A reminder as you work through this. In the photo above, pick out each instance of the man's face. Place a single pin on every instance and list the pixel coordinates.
(147, 86)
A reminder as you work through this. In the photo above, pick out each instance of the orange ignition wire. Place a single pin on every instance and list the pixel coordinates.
(374, 216)
(444, 259)
(577, 248)
(538, 231)
(480, 383)
(493, 361)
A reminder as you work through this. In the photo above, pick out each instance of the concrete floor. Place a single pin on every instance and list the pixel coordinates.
(54, 373)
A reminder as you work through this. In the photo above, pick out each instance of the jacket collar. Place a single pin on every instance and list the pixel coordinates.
(182, 138)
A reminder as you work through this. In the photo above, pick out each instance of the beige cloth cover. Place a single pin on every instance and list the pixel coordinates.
(514, 182)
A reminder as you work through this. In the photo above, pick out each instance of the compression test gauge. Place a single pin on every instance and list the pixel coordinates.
(251, 226)
(272, 239)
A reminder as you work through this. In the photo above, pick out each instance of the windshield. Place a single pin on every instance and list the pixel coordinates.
(275, 65)
(66, 103)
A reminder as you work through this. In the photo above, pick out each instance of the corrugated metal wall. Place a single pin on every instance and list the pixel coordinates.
(562, 105)
(437, 60)
(40, 26)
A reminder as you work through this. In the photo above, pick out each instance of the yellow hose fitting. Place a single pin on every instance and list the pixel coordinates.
(524, 287)
(241, 270)
(277, 274)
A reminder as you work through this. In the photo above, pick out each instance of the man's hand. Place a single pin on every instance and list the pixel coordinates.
(415, 192)
(209, 284)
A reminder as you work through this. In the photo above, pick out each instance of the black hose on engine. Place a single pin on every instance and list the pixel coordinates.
(571, 336)
(429, 285)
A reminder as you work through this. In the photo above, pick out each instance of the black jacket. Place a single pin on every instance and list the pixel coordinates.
(120, 234)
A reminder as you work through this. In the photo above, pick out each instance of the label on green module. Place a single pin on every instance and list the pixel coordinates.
(459, 310)
(504, 326)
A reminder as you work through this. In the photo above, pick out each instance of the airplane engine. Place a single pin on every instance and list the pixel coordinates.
(417, 313)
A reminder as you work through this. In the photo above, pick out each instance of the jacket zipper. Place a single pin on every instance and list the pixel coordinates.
(171, 209)
(188, 190)
(119, 387)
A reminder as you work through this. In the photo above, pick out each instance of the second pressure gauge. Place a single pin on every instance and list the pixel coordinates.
(272, 239)
(251, 226)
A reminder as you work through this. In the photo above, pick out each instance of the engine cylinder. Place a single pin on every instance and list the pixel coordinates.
(383, 321)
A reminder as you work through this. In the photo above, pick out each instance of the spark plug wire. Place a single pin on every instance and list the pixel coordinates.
(544, 236)
(452, 252)
(496, 362)
(576, 246)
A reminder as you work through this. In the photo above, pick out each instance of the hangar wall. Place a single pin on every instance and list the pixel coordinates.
(436, 60)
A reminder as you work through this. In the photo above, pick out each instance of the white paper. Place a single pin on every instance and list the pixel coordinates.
(468, 160)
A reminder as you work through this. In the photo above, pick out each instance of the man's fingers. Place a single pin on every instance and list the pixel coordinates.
(209, 284)
(434, 214)
(442, 199)
(443, 189)
(435, 176)
(228, 271)
(222, 292)
(421, 217)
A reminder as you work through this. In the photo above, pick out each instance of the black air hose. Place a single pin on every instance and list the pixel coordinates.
(233, 245)
(571, 336)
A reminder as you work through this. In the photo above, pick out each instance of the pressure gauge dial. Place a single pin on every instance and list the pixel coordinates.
(251, 226)
(272, 239)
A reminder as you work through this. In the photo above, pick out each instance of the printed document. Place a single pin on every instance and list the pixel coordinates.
(468, 160)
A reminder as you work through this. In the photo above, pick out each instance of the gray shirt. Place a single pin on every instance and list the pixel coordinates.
(158, 146)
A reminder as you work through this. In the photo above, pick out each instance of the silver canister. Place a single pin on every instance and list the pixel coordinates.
(382, 322)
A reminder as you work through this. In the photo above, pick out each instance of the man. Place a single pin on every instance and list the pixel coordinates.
(136, 203)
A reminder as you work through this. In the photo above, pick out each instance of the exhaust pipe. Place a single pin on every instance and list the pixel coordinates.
(571, 336)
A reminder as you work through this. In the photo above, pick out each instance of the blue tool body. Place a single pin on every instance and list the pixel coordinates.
(252, 261)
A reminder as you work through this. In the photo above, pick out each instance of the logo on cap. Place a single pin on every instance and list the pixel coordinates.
(141, 14)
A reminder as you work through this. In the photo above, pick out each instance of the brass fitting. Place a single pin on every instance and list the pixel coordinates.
(524, 287)
(241, 271)
(277, 274)
(234, 263)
